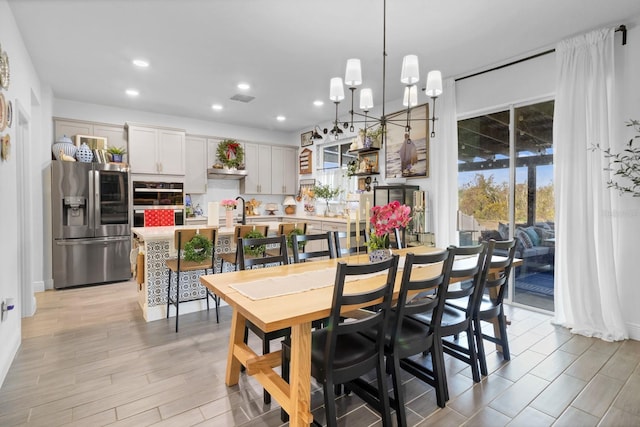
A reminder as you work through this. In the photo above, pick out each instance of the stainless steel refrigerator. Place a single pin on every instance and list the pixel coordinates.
(90, 223)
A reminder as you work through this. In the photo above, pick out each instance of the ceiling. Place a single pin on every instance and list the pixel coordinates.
(287, 50)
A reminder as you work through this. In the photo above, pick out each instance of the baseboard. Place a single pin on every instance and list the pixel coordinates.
(634, 331)
(38, 286)
(6, 357)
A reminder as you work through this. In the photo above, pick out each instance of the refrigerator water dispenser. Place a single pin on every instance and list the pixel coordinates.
(75, 211)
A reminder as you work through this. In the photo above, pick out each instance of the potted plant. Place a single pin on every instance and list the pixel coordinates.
(327, 193)
(116, 153)
(383, 220)
(625, 165)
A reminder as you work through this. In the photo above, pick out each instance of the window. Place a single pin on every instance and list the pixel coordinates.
(336, 155)
(505, 186)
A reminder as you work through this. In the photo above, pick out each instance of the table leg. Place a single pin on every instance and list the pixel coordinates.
(236, 337)
(300, 376)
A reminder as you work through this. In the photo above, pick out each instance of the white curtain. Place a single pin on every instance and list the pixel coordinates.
(444, 162)
(586, 296)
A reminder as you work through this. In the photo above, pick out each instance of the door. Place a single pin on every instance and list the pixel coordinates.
(111, 201)
(142, 150)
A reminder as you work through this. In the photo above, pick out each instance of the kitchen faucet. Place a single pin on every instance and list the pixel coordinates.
(244, 212)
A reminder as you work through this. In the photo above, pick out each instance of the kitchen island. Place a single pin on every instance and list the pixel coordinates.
(157, 245)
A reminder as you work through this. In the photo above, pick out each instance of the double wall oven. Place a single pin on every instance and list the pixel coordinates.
(157, 195)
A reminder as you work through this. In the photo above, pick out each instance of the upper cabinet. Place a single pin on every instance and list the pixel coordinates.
(156, 150)
(257, 160)
(115, 134)
(283, 170)
(195, 178)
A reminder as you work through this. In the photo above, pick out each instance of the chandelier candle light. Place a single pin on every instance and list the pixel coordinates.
(410, 76)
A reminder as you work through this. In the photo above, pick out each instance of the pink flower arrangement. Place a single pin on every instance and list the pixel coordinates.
(384, 219)
(229, 204)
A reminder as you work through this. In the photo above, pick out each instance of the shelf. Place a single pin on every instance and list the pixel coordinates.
(365, 173)
(365, 150)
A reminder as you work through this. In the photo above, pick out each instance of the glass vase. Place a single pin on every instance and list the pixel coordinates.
(228, 218)
(378, 255)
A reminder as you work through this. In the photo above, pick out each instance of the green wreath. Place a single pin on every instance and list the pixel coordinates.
(254, 250)
(295, 232)
(230, 153)
(198, 249)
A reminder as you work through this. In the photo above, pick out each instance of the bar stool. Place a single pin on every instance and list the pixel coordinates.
(183, 239)
(239, 232)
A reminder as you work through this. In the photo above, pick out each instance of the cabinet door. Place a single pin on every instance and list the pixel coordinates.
(277, 176)
(142, 150)
(195, 177)
(290, 171)
(171, 152)
(116, 135)
(71, 128)
(250, 184)
(264, 169)
(212, 152)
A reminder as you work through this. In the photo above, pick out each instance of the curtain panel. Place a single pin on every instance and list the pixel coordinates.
(586, 291)
(444, 163)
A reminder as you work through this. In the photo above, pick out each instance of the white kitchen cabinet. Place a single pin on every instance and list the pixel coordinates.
(195, 178)
(283, 170)
(257, 160)
(115, 134)
(156, 150)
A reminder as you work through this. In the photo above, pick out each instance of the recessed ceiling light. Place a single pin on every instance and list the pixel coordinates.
(281, 118)
(243, 86)
(318, 103)
(217, 107)
(140, 63)
(132, 92)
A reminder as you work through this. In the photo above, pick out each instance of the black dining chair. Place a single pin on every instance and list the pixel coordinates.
(253, 253)
(340, 353)
(302, 250)
(240, 231)
(355, 245)
(489, 306)
(467, 267)
(406, 337)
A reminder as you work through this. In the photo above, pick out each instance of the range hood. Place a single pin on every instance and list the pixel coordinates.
(214, 173)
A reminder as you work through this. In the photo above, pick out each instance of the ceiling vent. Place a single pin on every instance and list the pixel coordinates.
(242, 98)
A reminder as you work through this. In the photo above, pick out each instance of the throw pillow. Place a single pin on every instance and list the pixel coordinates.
(533, 235)
(524, 238)
(503, 229)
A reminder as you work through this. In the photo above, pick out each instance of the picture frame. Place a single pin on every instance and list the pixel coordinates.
(94, 142)
(305, 139)
(408, 160)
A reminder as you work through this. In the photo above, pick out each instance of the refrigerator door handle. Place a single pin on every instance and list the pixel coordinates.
(92, 241)
(92, 201)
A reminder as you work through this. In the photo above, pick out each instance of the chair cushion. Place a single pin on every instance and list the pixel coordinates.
(351, 349)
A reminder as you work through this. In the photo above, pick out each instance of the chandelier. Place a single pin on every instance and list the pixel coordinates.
(410, 76)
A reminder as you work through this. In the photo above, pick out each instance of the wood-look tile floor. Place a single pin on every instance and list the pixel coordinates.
(89, 359)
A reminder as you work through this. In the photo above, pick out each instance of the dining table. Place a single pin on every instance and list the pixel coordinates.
(290, 296)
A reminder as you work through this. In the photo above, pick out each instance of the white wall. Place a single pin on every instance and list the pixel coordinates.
(26, 95)
(626, 209)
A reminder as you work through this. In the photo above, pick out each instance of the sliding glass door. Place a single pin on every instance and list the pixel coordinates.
(505, 186)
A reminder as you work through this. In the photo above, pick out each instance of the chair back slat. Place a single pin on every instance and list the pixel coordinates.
(497, 269)
(246, 260)
(300, 246)
(353, 247)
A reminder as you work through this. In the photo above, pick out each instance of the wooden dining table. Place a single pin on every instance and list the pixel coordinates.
(290, 310)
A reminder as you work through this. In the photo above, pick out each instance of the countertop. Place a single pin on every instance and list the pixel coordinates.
(166, 233)
(280, 218)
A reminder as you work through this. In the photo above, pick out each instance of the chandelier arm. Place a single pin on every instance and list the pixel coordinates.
(352, 89)
(433, 118)
(384, 69)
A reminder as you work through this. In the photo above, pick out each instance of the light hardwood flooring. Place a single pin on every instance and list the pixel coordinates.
(89, 359)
